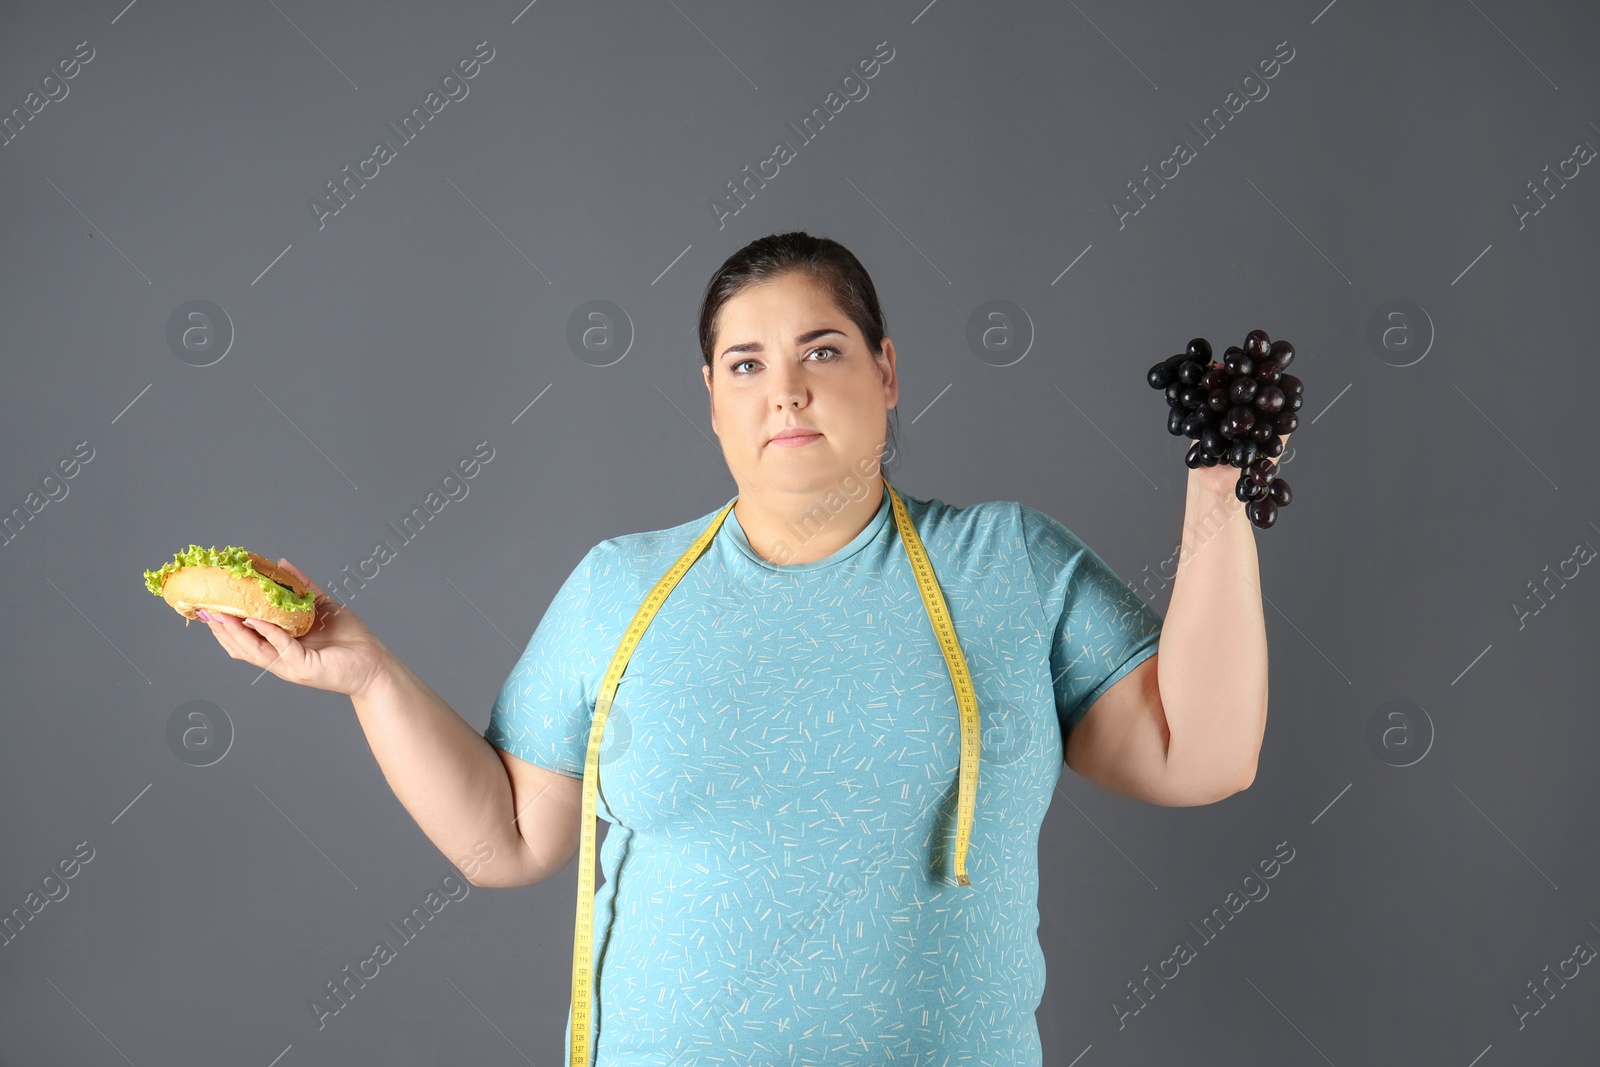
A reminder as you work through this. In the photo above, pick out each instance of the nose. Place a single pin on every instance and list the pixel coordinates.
(788, 387)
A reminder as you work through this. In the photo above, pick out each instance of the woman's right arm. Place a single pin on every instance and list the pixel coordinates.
(501, 820)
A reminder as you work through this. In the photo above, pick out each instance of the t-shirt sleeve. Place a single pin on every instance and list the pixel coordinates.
(1101, 629)
(546, 705)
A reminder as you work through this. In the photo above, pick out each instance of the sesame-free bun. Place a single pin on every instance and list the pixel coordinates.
(213, 589)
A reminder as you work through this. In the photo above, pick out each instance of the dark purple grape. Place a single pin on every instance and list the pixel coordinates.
(1269, 401)
(1175, 419)
(1238, 363)
(1212, 441)
(1294, 402)
(1242, 390)
(1194, 424)
(1283, 352)
(1200, 349)
(1257, 344)
(1238, 421)
(1262, 431)
(1261, 471)
(1267, 372)
(1242, 488)
(1174, 391)
(1265, 512)
(1190, 372)
(1217, 400)
(1242, 452)
(1273, 448)
(1280, 492)
(1160, 376)
(1214, 378)
(1287, 423)
(1194, 397)
(1192, 458)
(1290, 385)
(1208, 460)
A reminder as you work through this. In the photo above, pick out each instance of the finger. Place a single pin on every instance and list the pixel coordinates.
(250, 646)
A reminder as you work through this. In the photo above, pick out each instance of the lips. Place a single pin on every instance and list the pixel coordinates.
(796, 432)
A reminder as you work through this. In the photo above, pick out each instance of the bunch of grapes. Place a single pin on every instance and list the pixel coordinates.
(1238, 410)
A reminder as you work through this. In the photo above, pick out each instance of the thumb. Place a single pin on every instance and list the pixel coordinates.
(323, 600)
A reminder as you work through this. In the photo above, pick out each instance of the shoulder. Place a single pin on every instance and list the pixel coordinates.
(634, 559)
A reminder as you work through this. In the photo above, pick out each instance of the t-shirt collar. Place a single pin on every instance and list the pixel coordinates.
(868, 533)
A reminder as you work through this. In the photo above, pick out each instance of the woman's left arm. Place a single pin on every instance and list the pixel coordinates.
(1185, 726)
(1213, 652)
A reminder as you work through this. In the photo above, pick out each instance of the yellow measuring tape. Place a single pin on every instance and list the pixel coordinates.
(961, 681)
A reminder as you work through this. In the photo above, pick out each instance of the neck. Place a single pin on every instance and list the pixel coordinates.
(785, 528)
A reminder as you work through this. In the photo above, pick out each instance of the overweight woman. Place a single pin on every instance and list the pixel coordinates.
(782, 763)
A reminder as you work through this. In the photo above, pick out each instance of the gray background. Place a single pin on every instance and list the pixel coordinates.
(430, 312)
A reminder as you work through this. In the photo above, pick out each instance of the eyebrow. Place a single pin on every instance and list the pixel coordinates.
(805, 338)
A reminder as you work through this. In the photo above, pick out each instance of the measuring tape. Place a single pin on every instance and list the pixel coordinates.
(961, 681)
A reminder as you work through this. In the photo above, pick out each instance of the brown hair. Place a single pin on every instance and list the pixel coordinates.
(827, 262)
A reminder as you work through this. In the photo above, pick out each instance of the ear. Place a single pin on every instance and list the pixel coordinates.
(705, 372)
(891, 377)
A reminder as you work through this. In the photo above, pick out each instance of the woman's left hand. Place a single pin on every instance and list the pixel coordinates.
(1223, 477)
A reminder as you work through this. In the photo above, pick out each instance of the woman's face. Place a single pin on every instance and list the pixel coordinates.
(785, 356)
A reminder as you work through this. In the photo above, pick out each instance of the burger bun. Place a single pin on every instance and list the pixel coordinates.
(212, 589)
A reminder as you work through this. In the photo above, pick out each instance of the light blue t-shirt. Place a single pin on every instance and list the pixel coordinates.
(779, 776)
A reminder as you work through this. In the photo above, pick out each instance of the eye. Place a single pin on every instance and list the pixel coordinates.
(735, 367)
(827, 348)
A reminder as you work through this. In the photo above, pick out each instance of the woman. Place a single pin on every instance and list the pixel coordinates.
(780, 762)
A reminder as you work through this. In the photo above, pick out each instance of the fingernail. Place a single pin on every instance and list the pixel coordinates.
(202, 615)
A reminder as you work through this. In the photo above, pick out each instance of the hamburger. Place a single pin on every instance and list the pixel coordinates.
(237, 582)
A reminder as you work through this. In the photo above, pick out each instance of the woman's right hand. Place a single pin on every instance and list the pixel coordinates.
(338, 653)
